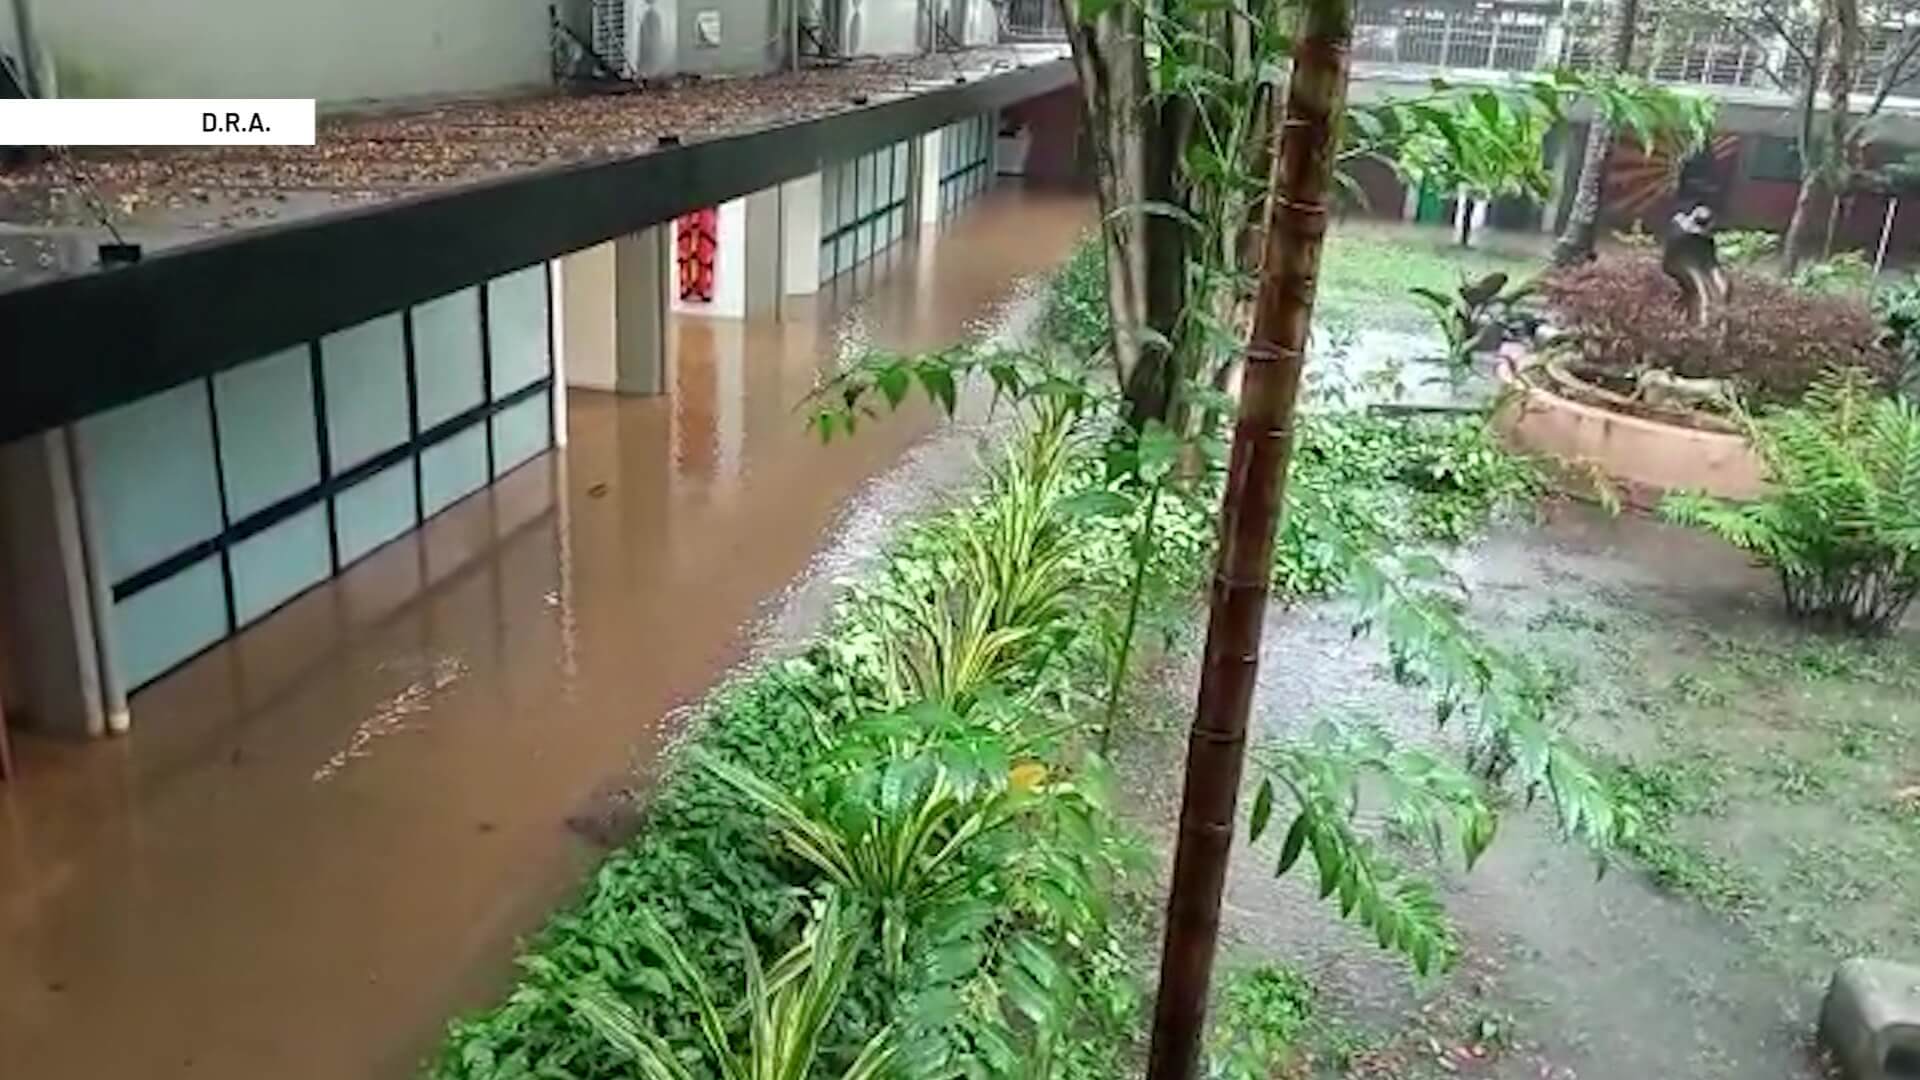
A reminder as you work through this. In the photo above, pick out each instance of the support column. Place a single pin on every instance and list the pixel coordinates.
(800, 233)
(930, 177)
(50, 649)
(762, 256)
(610, 314)
(641, 270)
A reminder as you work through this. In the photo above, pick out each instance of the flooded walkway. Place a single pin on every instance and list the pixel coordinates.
(326, 834)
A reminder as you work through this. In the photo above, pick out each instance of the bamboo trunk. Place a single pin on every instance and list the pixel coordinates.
(1255, 493)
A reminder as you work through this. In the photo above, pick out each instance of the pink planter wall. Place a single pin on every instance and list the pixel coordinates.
(1646, 457)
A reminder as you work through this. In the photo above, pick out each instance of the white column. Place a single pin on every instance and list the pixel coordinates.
(557, 338)
(800, 228)
(762, 255)
(610, 315)
(643, 266)
(930, 177)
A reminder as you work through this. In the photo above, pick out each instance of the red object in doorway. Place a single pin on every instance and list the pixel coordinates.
(697, 250)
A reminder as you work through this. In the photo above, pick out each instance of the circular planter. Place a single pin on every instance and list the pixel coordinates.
(1646, 457)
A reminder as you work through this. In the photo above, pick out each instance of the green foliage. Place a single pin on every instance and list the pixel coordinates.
(1482, 141)
(1364, 481)
(1897, 306)
(1505, 701)
(1491, 140)
(1076, 305)
(1840, 523)
(1262, 1015)
(787, 1010)
(1745, 247)
(1321, 778)
(1465, 316)
(1846, 273)
(962, 843)
(1658, 793)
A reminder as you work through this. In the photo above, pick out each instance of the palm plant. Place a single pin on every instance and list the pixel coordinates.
(786, 1011)
(894, 833)
(955, 626)
(1840, 523)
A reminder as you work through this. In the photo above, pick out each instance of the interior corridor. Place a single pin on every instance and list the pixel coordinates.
(325, 834)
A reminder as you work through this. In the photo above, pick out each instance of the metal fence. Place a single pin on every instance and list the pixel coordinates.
(1032, 20)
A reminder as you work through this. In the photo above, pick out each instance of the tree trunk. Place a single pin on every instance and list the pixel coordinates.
(1297, 206)
(1150, 386)
(1110, 62)
(1847, 49)
(1797, 222)
(1576, 241)
(1809, 168)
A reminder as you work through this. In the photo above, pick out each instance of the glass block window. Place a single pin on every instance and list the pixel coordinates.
(863, 207)
(966, 161)
(221, 499)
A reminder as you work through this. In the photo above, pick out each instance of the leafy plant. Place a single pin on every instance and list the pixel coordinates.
(1840, 523)
(1745, 247)
(1322, 780)
(787, 1011)
(893, 827)
(1465, 318)
(1263, 1013)
(1364, 481)
(1897, 306)
(1848, 273)
(1624, 317)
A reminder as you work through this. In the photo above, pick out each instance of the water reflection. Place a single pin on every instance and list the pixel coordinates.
(325, 834)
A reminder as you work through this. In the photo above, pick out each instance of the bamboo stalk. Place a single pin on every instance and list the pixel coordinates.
(1255, 492)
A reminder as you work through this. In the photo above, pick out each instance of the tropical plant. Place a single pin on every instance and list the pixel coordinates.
(1263, 1013)
(1745, 247)
(1465, 318)
(894, 831)
(1840, 522)
(788, 1010)
(1898, 308)
(1846, 273)
(1490, 149)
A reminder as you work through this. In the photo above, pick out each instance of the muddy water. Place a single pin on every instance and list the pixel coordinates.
(324, 837)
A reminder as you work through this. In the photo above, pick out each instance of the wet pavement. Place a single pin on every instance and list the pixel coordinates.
(1563, 974)
(324, 837)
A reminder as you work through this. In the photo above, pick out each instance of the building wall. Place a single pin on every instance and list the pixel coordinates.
(342, 51)
(753, 36)
(221, 499)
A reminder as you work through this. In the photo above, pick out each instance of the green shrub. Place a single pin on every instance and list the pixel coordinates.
(1898, 308)
(1076, 309)
(1262, 1015)
(1745, 247)
(1841, 521)
(1361, 480)
(967, 838)
(1846, 273)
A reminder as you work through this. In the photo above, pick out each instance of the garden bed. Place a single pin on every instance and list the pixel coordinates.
(1644, 454)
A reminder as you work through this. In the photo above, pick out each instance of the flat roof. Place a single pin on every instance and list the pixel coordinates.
(50, 219)
(76, 339)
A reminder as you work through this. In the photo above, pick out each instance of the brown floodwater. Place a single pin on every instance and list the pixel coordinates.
(323, 837)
